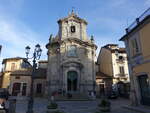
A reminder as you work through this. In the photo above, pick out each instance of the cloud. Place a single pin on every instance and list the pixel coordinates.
(15, 36)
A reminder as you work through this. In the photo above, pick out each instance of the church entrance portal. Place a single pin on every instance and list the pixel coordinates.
(72, 81)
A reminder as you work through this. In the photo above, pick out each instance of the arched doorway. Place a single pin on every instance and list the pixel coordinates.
(72, 79)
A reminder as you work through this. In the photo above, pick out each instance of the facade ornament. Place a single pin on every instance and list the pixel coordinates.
(50, 38)
(92, 38)
(73, 12)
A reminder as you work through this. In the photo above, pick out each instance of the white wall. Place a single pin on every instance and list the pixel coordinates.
(116, 64)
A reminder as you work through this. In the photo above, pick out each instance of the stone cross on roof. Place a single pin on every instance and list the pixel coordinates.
(73, 11)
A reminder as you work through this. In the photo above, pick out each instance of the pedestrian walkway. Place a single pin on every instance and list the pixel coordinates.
(78, 106)
(91, 106)
(73, 106)
(140, 109)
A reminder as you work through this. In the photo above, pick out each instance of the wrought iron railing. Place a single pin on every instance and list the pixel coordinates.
(121, 75)
(139, 19)
(120, 60)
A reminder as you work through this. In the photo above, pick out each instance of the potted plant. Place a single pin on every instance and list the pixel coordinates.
(58, 111)
(104, 105)
(52, 107)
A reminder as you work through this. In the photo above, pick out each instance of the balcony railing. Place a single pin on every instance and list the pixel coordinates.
(120, 60)
(139, 19)
(123, 75)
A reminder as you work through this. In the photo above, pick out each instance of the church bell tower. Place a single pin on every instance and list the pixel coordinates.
(72, 27)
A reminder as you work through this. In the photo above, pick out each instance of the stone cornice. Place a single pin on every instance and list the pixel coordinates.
(65, 63)
(81, 42)
(72, 17)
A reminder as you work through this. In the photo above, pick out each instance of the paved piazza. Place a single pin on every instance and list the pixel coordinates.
(74, 106)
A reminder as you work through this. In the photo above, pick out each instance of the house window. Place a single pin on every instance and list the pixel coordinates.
(72, 51)
(12, 66)
(120, 57)
(73, 29)
(121, 69)
(135, 48)
(39, 88)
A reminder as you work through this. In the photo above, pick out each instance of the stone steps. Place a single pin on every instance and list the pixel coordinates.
(75, 96)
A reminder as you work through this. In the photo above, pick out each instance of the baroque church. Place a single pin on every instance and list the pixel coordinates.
(70, 68)
(71, 54)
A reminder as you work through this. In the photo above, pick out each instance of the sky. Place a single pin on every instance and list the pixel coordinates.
(28, 22)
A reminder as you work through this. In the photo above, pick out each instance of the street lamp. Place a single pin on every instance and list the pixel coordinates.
(36, 56)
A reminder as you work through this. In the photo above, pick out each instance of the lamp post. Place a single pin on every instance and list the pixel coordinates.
(36, 56)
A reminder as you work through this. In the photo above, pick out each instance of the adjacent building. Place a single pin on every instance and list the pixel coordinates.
(137, 41)
(113, 69)
(20, 82)
(71, 54)
(40, 79)
(103, 84)
(10, 65)
(16, 77)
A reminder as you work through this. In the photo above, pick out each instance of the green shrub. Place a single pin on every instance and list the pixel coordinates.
(104, 103)
(97, 112)
(58, 112)
(52, 106)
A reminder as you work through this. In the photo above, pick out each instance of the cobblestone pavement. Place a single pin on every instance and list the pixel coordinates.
(74, 106)
(91, 106)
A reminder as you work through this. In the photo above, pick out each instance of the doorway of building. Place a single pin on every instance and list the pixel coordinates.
(16, 89)
(72, 77)
(102, 89)
(144, 84)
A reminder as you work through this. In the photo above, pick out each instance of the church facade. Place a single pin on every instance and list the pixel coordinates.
(71, 54)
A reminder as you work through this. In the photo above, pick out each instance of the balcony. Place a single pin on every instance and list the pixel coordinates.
(121, 75)
(120, 60)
